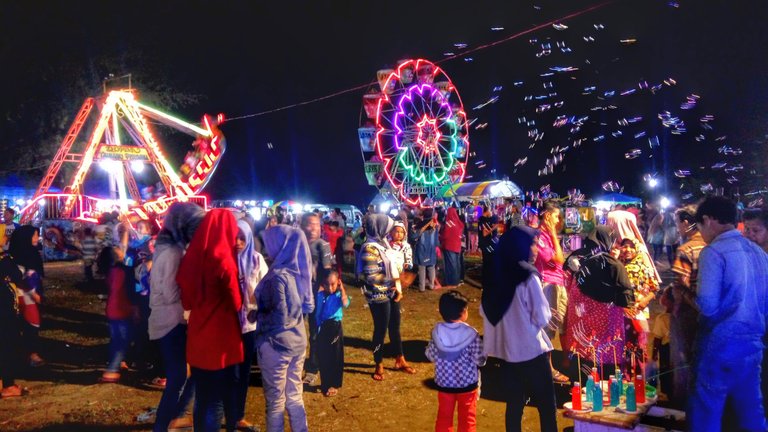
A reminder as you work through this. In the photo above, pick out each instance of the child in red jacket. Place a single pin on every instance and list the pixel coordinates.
(120, 313)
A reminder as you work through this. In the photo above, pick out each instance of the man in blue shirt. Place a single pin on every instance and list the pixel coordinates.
(733, 285)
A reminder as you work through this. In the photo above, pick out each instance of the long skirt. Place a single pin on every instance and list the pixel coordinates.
(452, 267)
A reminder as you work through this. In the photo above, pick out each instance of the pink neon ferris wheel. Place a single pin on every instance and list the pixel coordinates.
(413, 132)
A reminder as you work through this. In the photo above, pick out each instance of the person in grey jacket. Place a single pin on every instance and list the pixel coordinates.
(282, 296)
(167, 323)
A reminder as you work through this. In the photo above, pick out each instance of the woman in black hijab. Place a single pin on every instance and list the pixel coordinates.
(10, 324)
(515, 313)
(598, 290)
(23, 250)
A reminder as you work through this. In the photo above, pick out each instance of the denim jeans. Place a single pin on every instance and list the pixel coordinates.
(178, 390)
(426, 277)
(214, 398)
(283, 388)
(119, 340)
(717, 380)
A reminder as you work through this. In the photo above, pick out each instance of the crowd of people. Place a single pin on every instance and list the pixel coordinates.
(214, 293)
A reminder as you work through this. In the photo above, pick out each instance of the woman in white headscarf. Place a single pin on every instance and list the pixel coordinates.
(282, 298)
(251, 269)
(624, 226)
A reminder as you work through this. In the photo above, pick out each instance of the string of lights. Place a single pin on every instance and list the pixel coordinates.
(453, 57)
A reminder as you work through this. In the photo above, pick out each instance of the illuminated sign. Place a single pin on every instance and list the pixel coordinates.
(122, 152)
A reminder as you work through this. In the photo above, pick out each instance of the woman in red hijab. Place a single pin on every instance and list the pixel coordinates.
(208, 281)
(450, 243)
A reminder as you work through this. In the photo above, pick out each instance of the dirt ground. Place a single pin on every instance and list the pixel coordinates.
(65, 394)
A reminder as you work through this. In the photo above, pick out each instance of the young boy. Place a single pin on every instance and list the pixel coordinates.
(457, 351)
(331, 299)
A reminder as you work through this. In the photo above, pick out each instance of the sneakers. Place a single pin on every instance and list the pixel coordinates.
(12, 391)
(310, 378)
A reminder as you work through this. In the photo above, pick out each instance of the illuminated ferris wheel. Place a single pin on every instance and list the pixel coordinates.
(413, 132)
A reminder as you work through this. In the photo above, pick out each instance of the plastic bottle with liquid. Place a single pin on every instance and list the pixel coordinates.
(589, 386)
(640, 389)
(614, 391)
(597, 398)
(576, 396)
(631, 399)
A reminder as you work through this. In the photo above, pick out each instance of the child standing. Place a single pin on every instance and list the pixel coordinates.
(331, 299)
(120, 313)
(457, 351)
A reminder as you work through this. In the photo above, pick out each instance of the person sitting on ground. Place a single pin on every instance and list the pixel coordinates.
(456, 349)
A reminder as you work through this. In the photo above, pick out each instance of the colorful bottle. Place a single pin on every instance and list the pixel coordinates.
(589, 386)
(631, 400)
(620, 379)
(594, 375)
(576, 396)
(597, 398)
(640, 389)
(614, 391)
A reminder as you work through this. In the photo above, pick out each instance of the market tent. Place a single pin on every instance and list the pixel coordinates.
(486, 189)
(618, 198)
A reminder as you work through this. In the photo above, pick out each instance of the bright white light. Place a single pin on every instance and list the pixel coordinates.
(307, 207)
(137, 166)
(252, 203)
(266, 203)
(296, 207)
(238, 203)
(109, 165)
(652, 182)
(603, 205)
(393, 212)
(665, 202)
(385, 206)
(20, 201)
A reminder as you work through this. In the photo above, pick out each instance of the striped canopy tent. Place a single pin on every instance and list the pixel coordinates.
(478, 190)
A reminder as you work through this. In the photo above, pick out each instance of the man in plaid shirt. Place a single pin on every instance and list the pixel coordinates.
(457, 351)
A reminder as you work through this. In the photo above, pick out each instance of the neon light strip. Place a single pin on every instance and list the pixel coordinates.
(138, 121)
(198, 130)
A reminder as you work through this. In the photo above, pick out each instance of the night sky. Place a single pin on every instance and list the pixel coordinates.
(242, 58)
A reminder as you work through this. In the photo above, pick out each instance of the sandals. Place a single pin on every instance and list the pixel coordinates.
(109, 377)
(331, 392)
(245, 426)
(378, 373)
(402, 365)
(559, 377)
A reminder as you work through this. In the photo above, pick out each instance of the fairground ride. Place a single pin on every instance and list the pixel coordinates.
(122, 116)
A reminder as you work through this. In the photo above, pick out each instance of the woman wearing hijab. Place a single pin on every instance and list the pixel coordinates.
(10, 322)
(450, 242)
(208, 281)
(645, 286)
(515, 314)
(167, 324)
(23, 250)
(281, 340)
(251, 268)
(598, 289)
(382, 292)
(624, 225)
